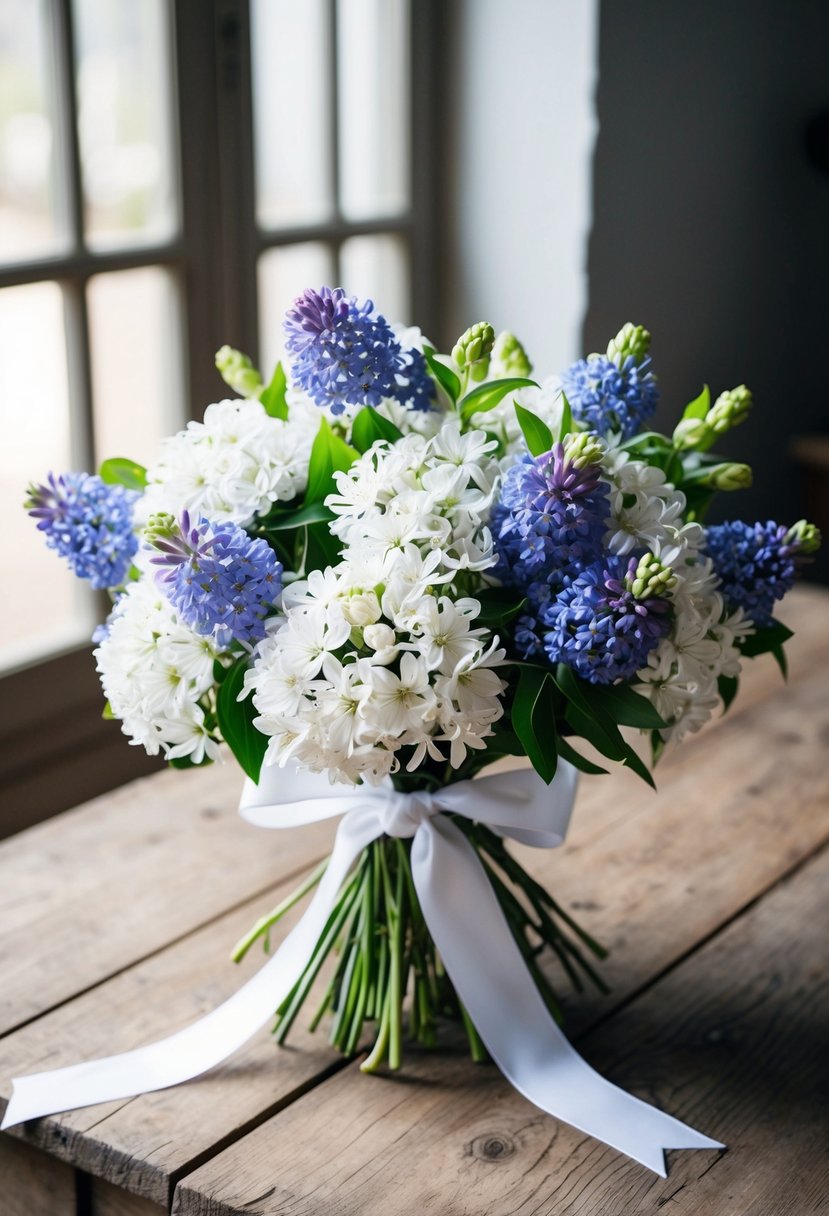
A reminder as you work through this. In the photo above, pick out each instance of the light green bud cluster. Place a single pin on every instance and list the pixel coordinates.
(651, 578)
(582, 449)
(509, 357)
(631, 340)
(806, 536)
(160, 526)
(729, 476)
(729, 410)
(691, 433)
(238, 372)
(472, 350)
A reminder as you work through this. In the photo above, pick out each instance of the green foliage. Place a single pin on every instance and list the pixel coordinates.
(119, 471)
(536, 432)
(236, 721)
(274, 396)
(700, 406)
(488, 395)
(534, 719)
(298, 517)
(589, 715)
(769, 640)
(565, 422)
(444, 375)
(330, 454)
(369, 426)
(727, 687)
(498, 606)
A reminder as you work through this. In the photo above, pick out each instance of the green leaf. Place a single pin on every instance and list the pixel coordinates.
(765, 640)
(119, 471)
(534, 722)
(274, 396)
(329, 455)
(444, 375)
(565, 423)
(321, 548)
(538, 435)
(106, 713)
(310, 513)
(236, 721)
(591, 720)
(781, 660)
(624, 706)
(566, 752)
(727, 687)
(488, 395)
(188, 762)
(369, 426)
(498, 606)
(593, 732)
(700, 406)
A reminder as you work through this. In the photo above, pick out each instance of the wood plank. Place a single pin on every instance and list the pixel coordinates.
(33, 1184)
(730, 1041)
(143, 1145)
(89, 893)
(108, 1200)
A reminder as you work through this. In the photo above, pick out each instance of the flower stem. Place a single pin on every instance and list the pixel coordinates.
(267, 922)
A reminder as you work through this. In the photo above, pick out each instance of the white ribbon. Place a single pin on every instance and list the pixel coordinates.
(468, 928)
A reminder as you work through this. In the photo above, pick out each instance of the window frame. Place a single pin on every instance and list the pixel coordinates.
(54, 749)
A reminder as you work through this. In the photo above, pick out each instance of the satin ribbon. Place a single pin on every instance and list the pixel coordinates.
(468, 928)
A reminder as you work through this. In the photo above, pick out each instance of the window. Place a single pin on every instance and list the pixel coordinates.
(171, 175)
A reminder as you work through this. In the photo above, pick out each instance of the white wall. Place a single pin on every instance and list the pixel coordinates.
(520, 206)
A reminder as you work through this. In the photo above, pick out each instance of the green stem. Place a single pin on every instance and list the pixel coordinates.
(476, 1047)
(375, 1058)
(267, 922)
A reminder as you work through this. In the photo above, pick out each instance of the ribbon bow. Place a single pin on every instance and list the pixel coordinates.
(468, 928)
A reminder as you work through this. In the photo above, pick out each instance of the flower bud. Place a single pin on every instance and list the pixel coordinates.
(160, 526)
(509, 357)
(379, 637)
(238, 372)
(582, 449)
(362, 608)
(726, 477)
(472, 350)
(632, 340)
(691, 433)
(729, 410)
(651, 578)
(805, 536)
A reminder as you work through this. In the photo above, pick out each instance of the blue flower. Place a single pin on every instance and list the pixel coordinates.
(552, 514)
(89, 523)
(756, 564)
(597, 626)
(606, 397)
(221, 581)
(344, 353)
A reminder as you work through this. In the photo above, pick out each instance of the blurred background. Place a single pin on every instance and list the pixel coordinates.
(174, 172)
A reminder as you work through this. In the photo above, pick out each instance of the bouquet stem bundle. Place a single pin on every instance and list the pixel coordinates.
(387, 977)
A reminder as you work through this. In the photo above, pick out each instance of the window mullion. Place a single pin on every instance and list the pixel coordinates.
(336, 226)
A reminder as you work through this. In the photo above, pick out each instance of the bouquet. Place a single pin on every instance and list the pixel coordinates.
(390, 568)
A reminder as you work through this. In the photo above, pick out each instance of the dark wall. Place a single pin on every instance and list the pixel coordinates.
(710, 219)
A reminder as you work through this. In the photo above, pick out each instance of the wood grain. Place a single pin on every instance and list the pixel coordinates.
(731, 1041)
(91, 892)
(108, 1200)
(33, 1184)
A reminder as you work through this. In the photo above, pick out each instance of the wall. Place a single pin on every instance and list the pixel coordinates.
(709, 221)
(517, 177)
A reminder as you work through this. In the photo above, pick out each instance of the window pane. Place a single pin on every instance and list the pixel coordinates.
(283, 275)
(45, 606)
(291, 49)
(29, 220)
(373, 107)
(136, 370)
(377, 267)
(124, 121)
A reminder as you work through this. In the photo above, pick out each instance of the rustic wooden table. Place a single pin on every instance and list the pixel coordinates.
(116, 921)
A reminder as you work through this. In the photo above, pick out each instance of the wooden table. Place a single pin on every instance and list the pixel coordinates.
(116, 921)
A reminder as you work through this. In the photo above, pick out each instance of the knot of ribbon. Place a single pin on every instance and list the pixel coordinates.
(465, 920)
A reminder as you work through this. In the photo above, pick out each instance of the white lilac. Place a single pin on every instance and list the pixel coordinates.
(88, 522)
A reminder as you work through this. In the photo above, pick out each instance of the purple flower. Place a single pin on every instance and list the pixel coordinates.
(597, 626)
(606, 397)
(89, 523)
(756, 563)
(221, 581)
(344, 353)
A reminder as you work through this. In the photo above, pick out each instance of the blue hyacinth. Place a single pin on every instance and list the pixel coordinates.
(552, 514)
(221, 581)
(606, 396)
(344, 353)
(89, 523)
(756, 564)
(600, 628)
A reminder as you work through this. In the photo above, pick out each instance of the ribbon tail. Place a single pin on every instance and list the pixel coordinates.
(206, 1043)
(491, 978)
